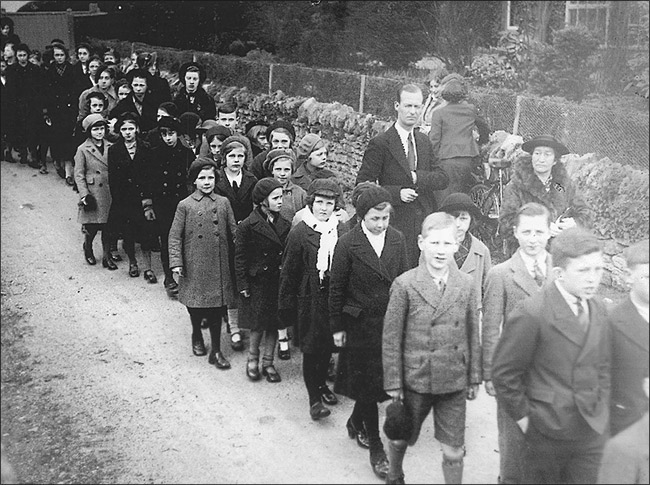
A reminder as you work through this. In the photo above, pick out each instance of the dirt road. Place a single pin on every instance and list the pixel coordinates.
(99, 383)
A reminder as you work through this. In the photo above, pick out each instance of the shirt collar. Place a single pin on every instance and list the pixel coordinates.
(571, 300)
(529, 261)
(237, 178)
(370, 235)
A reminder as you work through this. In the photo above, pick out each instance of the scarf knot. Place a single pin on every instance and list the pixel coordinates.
(328, 237)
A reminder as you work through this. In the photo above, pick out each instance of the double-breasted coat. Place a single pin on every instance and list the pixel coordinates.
(301, 291)
(91, 176)
(629, 365)
(384, 162)
(199, 242)
(430, 340)
(546, 368)
(359, 287)
(258, 258)
(126, 212)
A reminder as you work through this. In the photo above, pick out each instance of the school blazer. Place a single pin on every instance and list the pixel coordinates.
(430, 340)
(545, 367)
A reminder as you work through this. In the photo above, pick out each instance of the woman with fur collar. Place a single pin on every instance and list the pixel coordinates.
(540, 178)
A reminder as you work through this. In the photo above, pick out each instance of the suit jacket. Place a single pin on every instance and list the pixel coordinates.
(384, 162)
(629, 365)
(431, 340)
(545, 367)
(91, 176)
(360, 284)
(506, 286)
(452, 127)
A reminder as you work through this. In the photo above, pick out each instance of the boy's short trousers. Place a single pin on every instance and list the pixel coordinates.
(448, 415)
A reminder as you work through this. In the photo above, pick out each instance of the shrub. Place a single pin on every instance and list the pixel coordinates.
(565, 68)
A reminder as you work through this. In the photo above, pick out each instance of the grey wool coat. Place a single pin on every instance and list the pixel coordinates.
(477, 264)
(91, 175)
(198, 241)
(431, 340)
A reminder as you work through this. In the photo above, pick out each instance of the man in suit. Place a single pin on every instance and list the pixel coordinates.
(402, 161)
(430, 347)
(551, 367)
(507, 285)
(630, 343)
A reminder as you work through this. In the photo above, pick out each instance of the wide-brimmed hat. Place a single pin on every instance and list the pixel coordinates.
(183, 69)
(545, 141)
(460, 202)
(324, 187)
(92, 120)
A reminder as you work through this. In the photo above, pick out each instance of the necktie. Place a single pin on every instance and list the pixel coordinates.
(583, 318)
(440, 284)
(410, 155)
(235, 187)
(539, 276)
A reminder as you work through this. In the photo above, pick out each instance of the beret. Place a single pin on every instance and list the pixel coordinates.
(170, 108)
(91, 120)
(218, 130)
(307, 145)
(254, 123)
(369, 198)
(171, 123)
(277, 153)
(207, 124)
(127, 116)
(189, 122)
(281, 124)
(197, 165)
(326, 187)
(183, 69)
(263, 188)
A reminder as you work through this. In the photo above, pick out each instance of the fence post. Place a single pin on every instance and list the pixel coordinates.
(270, 78)
(362, 92)
(515, 125)
(132, 47)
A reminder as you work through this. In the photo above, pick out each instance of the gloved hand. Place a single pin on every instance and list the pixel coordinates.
(149, 214)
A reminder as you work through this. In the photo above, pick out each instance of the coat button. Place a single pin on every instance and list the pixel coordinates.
(456, 324)
(165, 184)
(165, 172)
(200, 236)
(455, 346)
(200, 213)
(101, 185)
(179, 174)
(98, 171)
(265, 267)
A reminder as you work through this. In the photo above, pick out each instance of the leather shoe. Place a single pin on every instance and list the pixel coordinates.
(318, 411)
(328, 396)
(218, 360)
(252, 370)
(379, 462)
(89, 256)
(198, 348)
(69, 181)
(109, 263)
(150, 277)
(115, 255)
(271, 374)
(358, 433)
(397, 481)
(283, 354)
(170, 285)
(236, 341)
(134, 271)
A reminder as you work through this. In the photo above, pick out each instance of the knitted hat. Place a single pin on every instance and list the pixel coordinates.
(398, 424)
(254, 123)
(263, 188)
(217, 130)
(183, 69)
(281, 124)
(92, 120)
(307, 145)
(459, 201)
(189, 122)
(199, 164)
(325, 187)
(545, 141)
(170, 123)
(276, 154)
(369, 198)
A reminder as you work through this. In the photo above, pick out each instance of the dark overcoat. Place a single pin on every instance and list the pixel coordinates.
(384, 162)
(25, 95)
(629, 365)
(359, 289)
(546, 368)
(126, 207)
(301, 291)
(258, 258)
(61, 104)
(91, 176)
(148, 116)
(199, 242)
(203, 104)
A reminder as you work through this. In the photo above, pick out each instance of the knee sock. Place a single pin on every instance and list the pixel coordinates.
(254, 345)
(452, 470)
(270, 339)
(215, 331)
(396, 452)
(196, 315)
(106, 242)
(233, 320)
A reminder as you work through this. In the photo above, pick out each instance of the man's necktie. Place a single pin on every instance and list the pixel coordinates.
(235, 187)
(539, 276)
(583, 317)
(410, 155)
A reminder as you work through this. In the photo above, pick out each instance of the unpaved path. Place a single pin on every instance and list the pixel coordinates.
(99, 383)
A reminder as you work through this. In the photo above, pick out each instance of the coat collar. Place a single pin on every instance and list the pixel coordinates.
(470, 263)
(631, 324)
(424, 285)
(521, 276)
(198, 195)
(364, 251)
(260, 225)
(566, 322)
(94, 151)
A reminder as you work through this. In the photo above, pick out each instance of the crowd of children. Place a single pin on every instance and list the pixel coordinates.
(252, 231)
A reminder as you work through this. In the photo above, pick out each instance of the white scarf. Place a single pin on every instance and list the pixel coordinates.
(328, 237)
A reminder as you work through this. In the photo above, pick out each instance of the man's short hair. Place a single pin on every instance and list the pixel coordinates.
(637, 254)
(226, 108)
(437, 221)
(408, 88)
(571, 244)
(533, 209)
